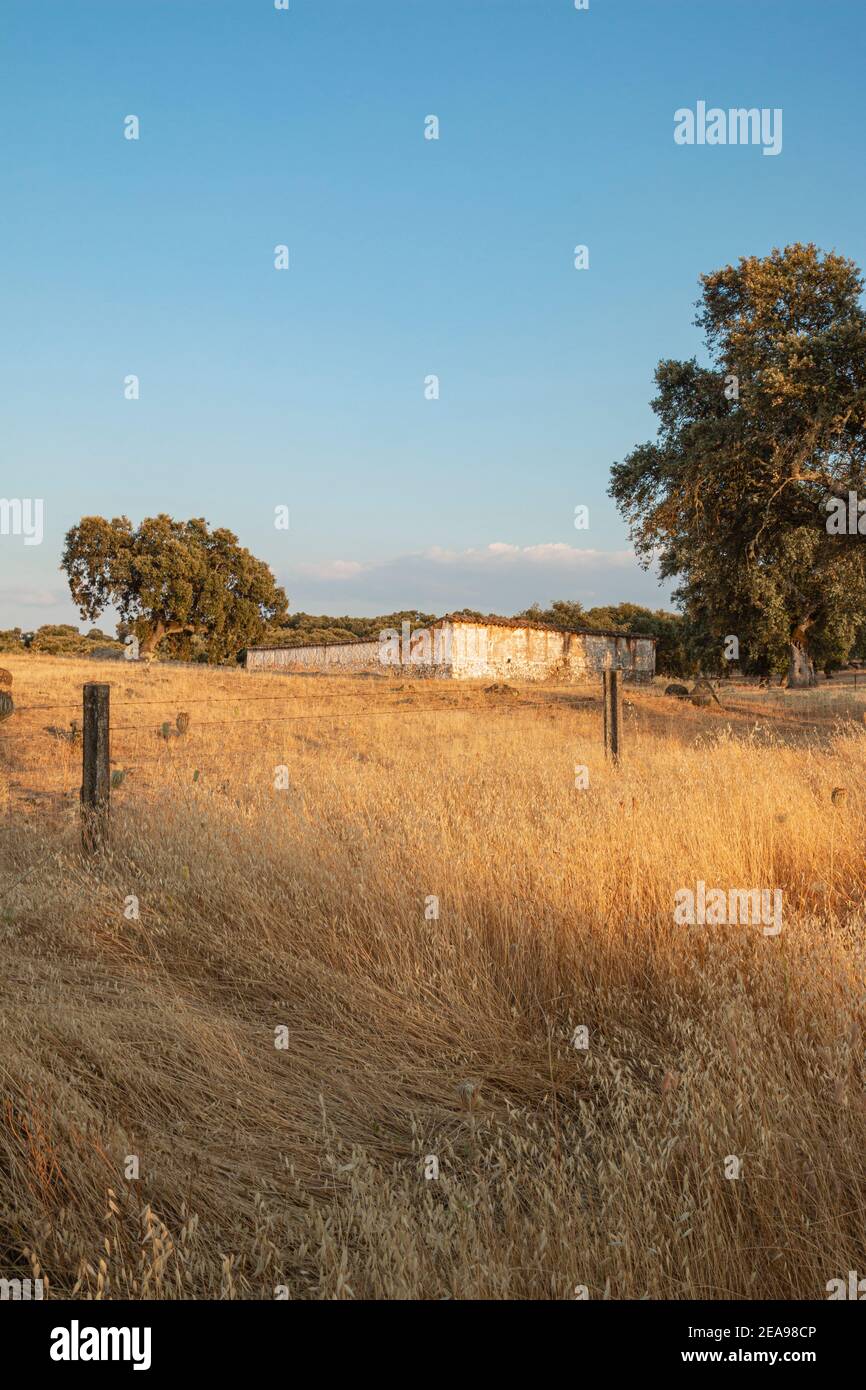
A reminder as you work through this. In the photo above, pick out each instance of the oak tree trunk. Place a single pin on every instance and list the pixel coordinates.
(148, 646)
(801, 668)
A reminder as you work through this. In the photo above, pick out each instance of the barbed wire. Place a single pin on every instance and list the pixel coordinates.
(331, 715)
(173, 752)
(338, 700)
(7, 887)
(150, 732)
(305, 718)
(188, 700)
(342, 719)
(210, 764)
(27, 709)
(766, 703)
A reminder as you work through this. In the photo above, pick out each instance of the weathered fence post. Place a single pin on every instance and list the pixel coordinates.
(96, 775)
(612, 714)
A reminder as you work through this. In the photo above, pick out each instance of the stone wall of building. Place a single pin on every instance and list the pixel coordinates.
(634, 656)
(473, 650)
(534, 653)
(338, 656)
(481, 650)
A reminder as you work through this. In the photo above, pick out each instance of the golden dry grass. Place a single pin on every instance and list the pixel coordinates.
(305, 908)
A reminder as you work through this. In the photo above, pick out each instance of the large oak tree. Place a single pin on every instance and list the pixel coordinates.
(168, 578)
(732, 498)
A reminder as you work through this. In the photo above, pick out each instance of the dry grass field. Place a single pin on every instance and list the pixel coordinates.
(302, 1167)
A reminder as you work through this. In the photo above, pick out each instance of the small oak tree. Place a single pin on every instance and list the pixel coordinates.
(169, 577)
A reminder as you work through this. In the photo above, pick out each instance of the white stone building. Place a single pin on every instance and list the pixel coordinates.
(459, 648)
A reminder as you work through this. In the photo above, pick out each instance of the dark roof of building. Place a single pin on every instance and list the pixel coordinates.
(304, 646)
(490, 620)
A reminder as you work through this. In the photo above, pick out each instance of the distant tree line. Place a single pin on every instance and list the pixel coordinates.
(673, 657)
(55, 639)
(312, 630)
(683, 647)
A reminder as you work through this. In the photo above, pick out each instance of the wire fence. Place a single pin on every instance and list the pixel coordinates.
(148, 751)
(142, 744)
(147, 745)
(333, 717)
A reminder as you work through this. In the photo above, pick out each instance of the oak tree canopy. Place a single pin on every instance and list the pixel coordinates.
(172, 579)
(732, 497)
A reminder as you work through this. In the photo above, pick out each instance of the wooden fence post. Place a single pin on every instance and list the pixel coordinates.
(612, 714)
(96, 775)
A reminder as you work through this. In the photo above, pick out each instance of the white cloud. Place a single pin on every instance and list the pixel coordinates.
(499, 577)
(22, 597)
(555, 553)
(331, 569)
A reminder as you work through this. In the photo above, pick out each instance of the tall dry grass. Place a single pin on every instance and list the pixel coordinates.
(303, 1168)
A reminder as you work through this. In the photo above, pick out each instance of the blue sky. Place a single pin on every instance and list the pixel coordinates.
(408, 257)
